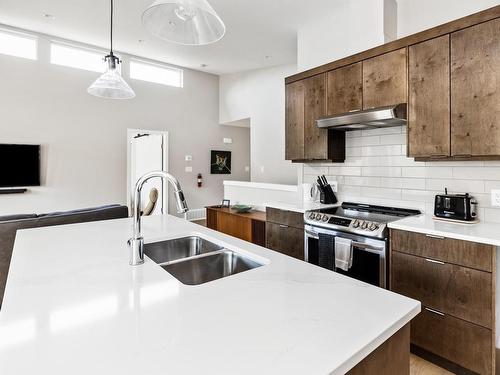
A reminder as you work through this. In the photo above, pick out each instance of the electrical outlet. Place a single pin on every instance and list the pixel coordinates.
(495, 198)
(227, 140)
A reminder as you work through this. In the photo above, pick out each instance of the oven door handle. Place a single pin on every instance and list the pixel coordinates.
(359, 245)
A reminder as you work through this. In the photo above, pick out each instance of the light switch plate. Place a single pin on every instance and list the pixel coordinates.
(495, 198)
(188, 169)
(227, 140)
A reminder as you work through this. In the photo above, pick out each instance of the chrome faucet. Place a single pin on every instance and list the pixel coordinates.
(136, 243)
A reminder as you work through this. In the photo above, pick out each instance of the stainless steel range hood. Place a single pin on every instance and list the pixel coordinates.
(382, 117)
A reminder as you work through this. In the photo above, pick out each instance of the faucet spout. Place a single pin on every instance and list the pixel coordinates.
(136, 243)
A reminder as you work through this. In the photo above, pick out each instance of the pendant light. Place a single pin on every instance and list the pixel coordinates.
(190, 22)
(110, 84)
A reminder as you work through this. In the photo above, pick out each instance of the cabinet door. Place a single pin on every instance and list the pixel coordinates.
(294, 122)
(461, 342)
(385, 79)
(345, 89)
(315, 139)
(475, 90)
(286, 240)
(429, 98)
(235, 225)
(461, 292)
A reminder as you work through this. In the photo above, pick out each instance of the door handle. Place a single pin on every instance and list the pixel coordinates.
(435, 237)
(434, 311)
(433, 261)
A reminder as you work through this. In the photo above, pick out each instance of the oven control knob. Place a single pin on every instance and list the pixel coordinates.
(325, 218)
(355, 224)
(364, 225)
(373, 226)
(312, 215)
(319, 217)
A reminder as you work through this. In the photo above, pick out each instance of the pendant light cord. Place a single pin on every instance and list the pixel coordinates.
(111, 33)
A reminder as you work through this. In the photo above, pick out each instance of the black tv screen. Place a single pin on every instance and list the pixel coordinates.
(20, 165)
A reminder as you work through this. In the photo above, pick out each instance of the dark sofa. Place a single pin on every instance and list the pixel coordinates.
(10, 224)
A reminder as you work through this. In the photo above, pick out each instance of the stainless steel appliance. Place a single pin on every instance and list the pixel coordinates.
(460, 207)
(381, 117)
(366, 226)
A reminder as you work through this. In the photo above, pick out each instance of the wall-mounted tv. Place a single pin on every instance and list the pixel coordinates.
(19, 165)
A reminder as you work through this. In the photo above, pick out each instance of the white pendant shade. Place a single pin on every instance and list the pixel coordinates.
(111, 85)
(190, 22)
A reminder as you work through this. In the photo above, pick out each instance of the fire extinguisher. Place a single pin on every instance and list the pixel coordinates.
(200, 179)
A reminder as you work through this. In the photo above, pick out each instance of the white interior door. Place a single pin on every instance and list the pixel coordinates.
(147, 154)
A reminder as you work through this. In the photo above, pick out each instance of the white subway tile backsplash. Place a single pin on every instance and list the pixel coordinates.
(393, 139)
(381, 171)
(377, 171)
(381, 150)
(362, 181)
(474, 173)
(455, 186)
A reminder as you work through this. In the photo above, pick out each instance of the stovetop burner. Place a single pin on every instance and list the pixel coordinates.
(358, 218)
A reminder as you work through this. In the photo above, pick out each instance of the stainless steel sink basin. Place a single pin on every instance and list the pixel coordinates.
(179, 248)
(210, 267)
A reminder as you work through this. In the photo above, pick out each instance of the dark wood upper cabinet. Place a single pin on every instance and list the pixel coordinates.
(304, 141)
(315, 139)
(345, 89)
(475, 90)
(294, 121)
(385, 79)
(429, 98)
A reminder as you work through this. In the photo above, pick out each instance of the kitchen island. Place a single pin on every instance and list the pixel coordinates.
(73, 305)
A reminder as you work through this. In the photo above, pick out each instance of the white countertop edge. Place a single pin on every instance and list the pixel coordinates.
(424, 228)
(261, 185)
(383, 337)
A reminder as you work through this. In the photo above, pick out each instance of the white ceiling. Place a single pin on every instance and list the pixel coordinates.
(254, 29)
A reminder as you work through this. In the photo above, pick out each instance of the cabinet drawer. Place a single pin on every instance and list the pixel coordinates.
(462, 292)
(290, 218)
(285, 239)
(463, 343)
(464, 253)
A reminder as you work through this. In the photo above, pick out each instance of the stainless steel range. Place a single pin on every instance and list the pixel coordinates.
(362, 226)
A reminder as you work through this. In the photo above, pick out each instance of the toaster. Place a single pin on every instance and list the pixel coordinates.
(462, 207)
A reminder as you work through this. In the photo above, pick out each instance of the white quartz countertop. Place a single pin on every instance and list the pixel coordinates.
(299, 206)
(73, 305)
(482, 232)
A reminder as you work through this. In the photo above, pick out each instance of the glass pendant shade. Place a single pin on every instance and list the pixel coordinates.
(189, 22)
(111, 85)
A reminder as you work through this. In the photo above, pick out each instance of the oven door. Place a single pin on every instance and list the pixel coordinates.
(369, 255)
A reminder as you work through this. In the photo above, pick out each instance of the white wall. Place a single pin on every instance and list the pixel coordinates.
(259, 95)
(83, 138)
(419, 15)
(377, 171)
(352, 26)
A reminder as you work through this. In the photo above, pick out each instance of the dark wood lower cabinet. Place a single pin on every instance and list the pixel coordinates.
(456, 340)
(285, 239)
(455, 282)
(390, 358)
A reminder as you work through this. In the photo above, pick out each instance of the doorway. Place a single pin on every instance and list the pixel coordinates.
(147, 151)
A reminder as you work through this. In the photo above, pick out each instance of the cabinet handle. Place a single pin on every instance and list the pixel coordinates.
(433, 261)
(283, 226)
(434, 311)
(439, 156)
(435, 237)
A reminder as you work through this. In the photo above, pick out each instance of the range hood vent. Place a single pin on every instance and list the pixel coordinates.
(382, 117)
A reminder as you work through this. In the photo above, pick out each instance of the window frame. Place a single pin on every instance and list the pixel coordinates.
(159, 65)
(25, 35)
(82, 48)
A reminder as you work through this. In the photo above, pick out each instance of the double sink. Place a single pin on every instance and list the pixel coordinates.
(193, 260)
